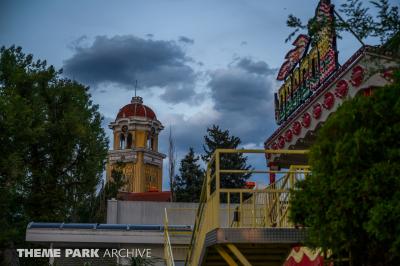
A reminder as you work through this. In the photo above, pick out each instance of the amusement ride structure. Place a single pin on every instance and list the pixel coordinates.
(229, 226)
(250, 226)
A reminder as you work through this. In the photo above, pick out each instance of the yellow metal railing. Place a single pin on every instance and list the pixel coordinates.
(221, 207)
(169, 257)
(173, 231)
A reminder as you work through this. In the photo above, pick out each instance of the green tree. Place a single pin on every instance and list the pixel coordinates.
(53, 147)
(356, 18)
(217, 138)
(108, 191)
(350, 203)
(188, 184)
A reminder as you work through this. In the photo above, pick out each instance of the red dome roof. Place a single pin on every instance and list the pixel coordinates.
(136, 108)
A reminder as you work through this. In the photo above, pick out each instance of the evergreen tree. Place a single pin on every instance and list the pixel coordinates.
(188, 185)
(217, 138)
(108, 191)
(53, 147)
(350, 203)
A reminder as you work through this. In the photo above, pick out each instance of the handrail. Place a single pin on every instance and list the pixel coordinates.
(169, 257)
(246, 207)
(200, 209)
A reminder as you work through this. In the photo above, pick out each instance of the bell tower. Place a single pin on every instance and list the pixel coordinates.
(135, 147)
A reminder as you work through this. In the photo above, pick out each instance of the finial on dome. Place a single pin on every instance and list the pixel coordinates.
(137, 99)
(135, 87)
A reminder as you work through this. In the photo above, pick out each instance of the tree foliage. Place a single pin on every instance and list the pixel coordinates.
(108, 191)
(53, 148)
(356, 17)
(351, 201)
(188, 184)
(217, 138)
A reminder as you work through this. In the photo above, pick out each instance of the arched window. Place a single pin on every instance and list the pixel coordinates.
(149, 142)
(129, 141)
(122, 141)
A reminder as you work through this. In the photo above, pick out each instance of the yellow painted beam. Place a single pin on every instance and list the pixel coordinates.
(226, 256)
(238, 254)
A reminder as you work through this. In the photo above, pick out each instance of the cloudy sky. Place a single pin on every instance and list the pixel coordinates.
(198, 63)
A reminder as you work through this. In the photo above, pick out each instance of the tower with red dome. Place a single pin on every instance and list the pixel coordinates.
(135, 147)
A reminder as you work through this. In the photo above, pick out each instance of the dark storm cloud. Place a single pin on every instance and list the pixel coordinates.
(244, 82)
(186, 133)
(185, 39)
(176, 95)
(257, 67)
(124, 59)
(234, 88)
(78, 42)
(184, 94)
(243, 95)
(243, 104)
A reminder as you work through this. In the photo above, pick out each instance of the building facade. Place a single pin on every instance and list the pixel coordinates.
(135, 148)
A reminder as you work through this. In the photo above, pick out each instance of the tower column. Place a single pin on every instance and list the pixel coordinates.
(116, 141)
(140, 187)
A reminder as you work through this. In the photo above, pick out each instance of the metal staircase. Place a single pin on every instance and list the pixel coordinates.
(242, 226)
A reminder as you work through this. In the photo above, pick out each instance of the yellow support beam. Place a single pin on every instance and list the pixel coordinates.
(238, 254)
(226, 256)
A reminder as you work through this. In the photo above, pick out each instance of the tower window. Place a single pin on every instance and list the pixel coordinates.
(129, 141)
(122, 141)
(150, 143)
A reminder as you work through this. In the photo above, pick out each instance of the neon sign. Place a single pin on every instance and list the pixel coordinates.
(304, 72)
